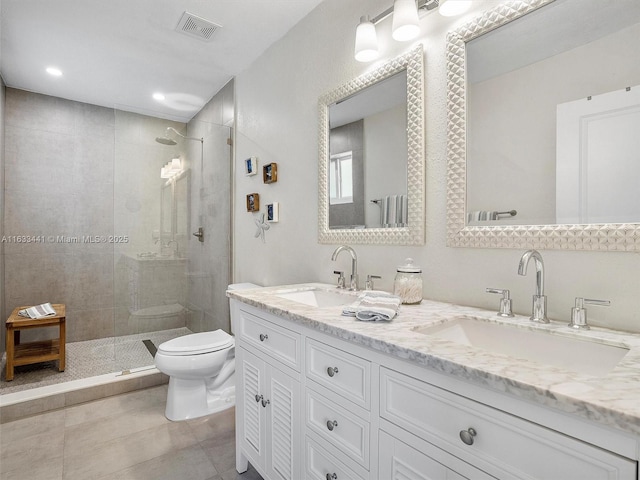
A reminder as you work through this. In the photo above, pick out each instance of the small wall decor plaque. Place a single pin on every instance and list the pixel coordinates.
(253, 202)
(270, 173)
(273, 212)
(251, 166)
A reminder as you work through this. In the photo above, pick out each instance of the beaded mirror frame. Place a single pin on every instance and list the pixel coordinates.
(595, 237)
(414, 234)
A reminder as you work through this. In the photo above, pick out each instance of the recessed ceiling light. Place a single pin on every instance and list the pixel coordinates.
(158, 96)
(56, 72)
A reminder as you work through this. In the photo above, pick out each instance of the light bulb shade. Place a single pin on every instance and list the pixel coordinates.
(366, 41)
(405, 24)
(451, 8)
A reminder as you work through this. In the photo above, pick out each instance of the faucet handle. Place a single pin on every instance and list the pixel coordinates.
(505, 301)
(579, 313)
(341, 280)
(369, 283)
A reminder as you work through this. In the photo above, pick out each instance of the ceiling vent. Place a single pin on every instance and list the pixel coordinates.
(196, 26)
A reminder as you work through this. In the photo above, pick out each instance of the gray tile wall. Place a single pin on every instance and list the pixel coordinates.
(72, 170)
(59, 184)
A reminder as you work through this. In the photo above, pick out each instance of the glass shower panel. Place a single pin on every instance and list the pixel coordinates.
(149, 261)
(208, 267)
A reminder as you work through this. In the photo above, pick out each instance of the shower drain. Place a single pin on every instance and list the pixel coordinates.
(151, 347)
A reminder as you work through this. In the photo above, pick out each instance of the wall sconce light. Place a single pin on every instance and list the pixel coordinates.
(366, 40)
(405, 24)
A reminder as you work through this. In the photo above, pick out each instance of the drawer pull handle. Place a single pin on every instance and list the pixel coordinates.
(258, 397)
(265, 403)
(332, 424)
(467, 436)
(331, 476)
(263, 337)
(331, 371)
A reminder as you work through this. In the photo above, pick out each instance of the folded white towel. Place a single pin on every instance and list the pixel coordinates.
(374, 307)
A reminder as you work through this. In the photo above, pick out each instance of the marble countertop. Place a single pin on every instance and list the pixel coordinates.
(611, 399)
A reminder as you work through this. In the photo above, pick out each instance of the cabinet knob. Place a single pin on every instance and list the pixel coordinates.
(258, 397)
(263, 337)
(332, 424)
(265, 403)
(331, 476)
(331, 371)
(467, 435)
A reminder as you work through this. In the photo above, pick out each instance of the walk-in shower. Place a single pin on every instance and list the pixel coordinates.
(104, 260)
(129, 284)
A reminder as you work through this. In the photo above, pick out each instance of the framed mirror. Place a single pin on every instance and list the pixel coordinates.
(371, 164)
(540, 95)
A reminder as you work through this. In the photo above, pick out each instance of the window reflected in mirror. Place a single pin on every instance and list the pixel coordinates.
(341, 179)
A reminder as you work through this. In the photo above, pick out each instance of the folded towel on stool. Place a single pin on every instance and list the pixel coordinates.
(374, 306)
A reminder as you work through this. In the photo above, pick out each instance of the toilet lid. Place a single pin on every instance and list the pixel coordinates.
(197, 343)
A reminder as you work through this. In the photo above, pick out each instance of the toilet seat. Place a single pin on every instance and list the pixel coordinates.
(197, 343)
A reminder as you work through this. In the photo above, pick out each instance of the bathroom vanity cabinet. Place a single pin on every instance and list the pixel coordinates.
(268, 402)
(313, 406)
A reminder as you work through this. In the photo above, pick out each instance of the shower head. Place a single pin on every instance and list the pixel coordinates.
(166, 140)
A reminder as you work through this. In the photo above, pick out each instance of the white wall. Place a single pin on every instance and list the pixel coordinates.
(278, 122)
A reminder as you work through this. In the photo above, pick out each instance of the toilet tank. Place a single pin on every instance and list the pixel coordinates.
(241, 286)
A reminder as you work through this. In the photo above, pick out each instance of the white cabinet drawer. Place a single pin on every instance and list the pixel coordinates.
(340, 372)
(504, 446)
(400, 461)
(272, 339)
(342, 428)
(321, 465)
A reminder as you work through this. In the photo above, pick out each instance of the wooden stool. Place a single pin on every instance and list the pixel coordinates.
(35, 352)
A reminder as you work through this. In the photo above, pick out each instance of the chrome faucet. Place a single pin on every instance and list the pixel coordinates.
(353, 283)
(539, 309)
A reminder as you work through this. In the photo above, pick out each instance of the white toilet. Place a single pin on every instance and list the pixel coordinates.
(200, 368)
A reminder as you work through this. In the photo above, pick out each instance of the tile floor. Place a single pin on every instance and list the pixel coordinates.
(124, 437)
(89, 358)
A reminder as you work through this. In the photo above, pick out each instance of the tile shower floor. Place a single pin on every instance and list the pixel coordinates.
(88, 359)
(123, 437)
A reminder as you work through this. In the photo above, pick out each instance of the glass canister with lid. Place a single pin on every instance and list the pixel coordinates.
(408, 283)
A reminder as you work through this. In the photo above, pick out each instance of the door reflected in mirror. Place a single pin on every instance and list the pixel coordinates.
(553, 104)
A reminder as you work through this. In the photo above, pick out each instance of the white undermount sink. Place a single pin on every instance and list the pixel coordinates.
(578, 355)
(318, 298)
